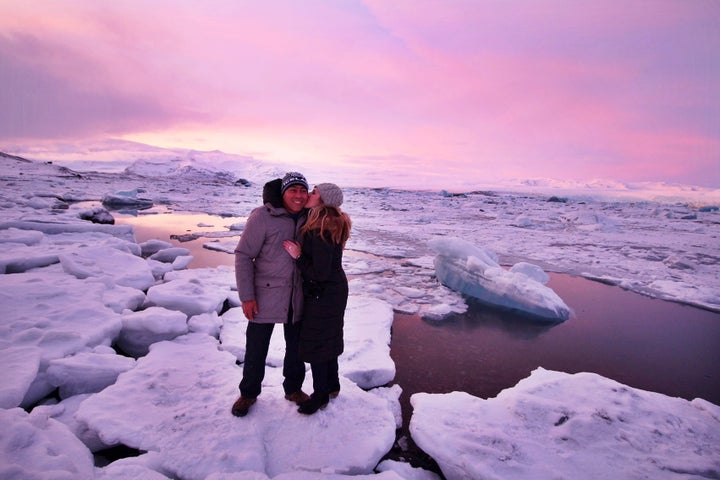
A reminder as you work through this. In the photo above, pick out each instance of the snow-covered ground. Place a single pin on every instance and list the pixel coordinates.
(75, 293)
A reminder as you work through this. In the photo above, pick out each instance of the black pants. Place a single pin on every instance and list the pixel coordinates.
(325, 377)
(257, 343)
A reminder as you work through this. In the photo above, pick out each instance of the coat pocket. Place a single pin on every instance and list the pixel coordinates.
(273, 299)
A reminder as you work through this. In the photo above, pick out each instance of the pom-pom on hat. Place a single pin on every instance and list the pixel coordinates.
(293, 178)
(330, 194)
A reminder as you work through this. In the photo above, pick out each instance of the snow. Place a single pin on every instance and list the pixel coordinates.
(34, 446)
(108, 341)
(181, 395)
(87, 372)
(108, 265)
(556, 425)
(142, 329)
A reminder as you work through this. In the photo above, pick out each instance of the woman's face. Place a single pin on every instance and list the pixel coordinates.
(313, 199)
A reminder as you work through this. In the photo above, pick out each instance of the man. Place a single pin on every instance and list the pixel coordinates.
(270, 288)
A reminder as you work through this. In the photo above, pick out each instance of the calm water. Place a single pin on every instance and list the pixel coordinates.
(642, 342)
(645, 343)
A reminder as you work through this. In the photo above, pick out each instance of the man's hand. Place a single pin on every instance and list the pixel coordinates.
(250, 309)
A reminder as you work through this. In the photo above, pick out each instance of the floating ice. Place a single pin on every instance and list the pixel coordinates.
(33, 446)
(110, 265)
(153, 246)
(191, 296)
(56, 313)
(473, 271)
(126, 199)
(87, 372)
(143, 328)
(168, 255)
(20, 366)
(181, 396)
(64, 412)
(557, 425)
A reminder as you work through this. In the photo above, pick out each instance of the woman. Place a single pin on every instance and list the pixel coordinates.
(325, 288)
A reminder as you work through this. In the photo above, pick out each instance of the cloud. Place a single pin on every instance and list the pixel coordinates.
(40, 102)
(602, 88)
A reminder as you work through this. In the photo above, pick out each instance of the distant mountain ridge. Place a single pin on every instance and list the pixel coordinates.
(123, 156)
(21, 164)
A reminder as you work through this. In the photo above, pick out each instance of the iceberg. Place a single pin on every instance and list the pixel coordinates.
(474, 271)
(126, 199)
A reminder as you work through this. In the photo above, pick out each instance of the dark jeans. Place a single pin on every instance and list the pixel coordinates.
(325, 377)
(257, 343)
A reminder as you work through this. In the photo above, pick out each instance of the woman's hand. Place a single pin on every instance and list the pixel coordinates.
(293, 248)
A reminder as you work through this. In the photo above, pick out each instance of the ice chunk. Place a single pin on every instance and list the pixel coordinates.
(121, 298)
(86, 372)
(35, 446)
(19, 369)
(142, 329)
(58, 314)
(55, 228)
(116, 266)
(474, 271)
(196, 291)
(64, 412)
(15, 235)
(181, 396)
(190, 296)
(153, 246)
(209, 323)
(366, 359)
(531, 271)
(126, 199)
(406, 471)
(168, 255)
(559, 425)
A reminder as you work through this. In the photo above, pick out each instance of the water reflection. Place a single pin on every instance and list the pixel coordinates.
(480, 317)
(642, 342)
(186, 230)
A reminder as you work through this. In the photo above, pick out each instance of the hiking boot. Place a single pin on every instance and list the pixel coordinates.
(297, 397)
(334, 394)
(242, 405)
(315, 403)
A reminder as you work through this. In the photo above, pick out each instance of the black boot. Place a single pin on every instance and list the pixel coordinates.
(316, 402)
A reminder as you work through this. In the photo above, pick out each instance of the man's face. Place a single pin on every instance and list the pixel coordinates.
(295, 198)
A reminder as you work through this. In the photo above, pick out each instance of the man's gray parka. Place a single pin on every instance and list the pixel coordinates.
(263, 269)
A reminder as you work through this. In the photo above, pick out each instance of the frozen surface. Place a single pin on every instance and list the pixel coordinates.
(556, 425)
(34, 446)
(72, 292)
(50, 315)
(182, 392)
(87, 372)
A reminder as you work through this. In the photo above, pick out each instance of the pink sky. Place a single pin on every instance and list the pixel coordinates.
(463, 89)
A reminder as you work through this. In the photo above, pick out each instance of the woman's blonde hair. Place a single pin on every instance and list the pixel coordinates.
(329, 220)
